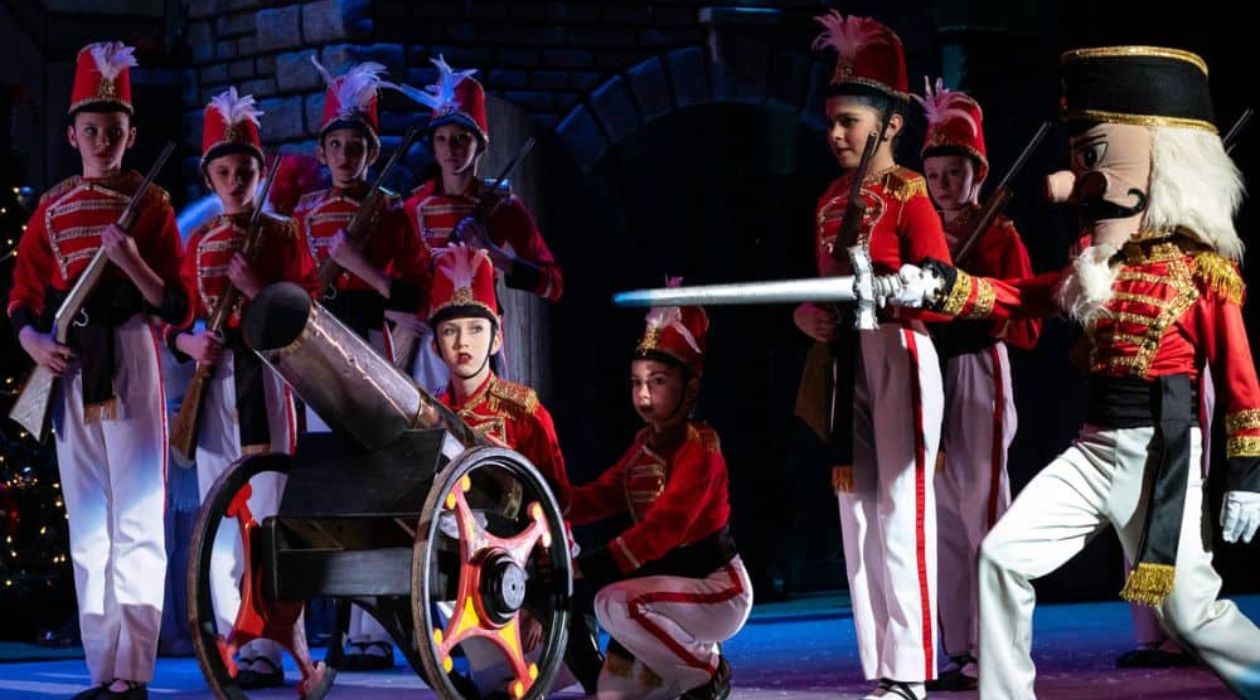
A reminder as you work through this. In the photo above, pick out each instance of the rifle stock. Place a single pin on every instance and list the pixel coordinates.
(188, 420)
(31, 409)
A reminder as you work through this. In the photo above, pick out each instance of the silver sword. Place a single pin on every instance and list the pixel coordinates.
(863, 288)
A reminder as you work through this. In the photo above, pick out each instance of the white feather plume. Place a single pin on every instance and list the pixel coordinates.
(661, 317)
(440, 96)
(236, 108)
(847, 35)
(942, 104)
(357, 88)
(111, 57)
(459, 264)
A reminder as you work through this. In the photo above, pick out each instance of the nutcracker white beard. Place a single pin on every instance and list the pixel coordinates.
(1195, 186)
(1087, 286)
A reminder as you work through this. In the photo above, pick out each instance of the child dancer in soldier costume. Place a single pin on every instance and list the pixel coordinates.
(972, 488)
(109, 416)
(1159, 293)
(887, 503)
(248, 408)
(441, 210)
(386, 274)
(671, 587)
(466, 332)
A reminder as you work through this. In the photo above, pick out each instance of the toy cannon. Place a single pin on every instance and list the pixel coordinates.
(449, 542)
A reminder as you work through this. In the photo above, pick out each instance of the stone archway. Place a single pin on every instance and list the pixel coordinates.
(709, 169)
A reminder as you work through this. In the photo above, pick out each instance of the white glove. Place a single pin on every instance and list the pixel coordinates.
(917, 286)
(1240, 515)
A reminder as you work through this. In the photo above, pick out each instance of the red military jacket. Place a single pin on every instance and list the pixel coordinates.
(900, 224)
(674, 489)
(392, 245)
(280, 256)
(511, 414)
(999, 253)
(434, 214)
(65, 232)
(1175, 305)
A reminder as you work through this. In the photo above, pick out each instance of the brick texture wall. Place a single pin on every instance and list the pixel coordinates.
(591, 71)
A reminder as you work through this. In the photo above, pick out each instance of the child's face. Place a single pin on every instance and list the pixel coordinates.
(850, 122)
(101, 138)
(347, 153)
(455, 148)
(661, 394)
(950, 181)
(465, 344)
(234, 178)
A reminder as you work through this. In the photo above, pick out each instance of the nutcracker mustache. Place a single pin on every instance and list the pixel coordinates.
(1099, 209)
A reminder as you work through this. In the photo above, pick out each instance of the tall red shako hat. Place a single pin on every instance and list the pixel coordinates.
(675, 334)
(463, 285)
(102, 79)
(456, 98)
(230, 126)
(350, 100)
(869, 57)
(955, 125)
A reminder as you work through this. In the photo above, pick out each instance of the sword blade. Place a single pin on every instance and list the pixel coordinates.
(815, 289)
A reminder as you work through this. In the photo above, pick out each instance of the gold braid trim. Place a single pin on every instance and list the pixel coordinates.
(1149, 584)
(985, 297)
(1242, 447)
(1242, 420)
(958, 294)
(1219, 274)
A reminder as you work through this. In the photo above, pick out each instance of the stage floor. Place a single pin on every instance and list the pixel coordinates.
(799, 650)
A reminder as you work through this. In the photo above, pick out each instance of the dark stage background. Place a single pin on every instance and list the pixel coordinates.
(677, 137)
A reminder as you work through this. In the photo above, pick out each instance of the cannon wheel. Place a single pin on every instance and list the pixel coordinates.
(226, 505)
(511, 556)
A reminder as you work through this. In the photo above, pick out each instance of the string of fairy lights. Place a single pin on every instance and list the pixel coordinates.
(33, 529)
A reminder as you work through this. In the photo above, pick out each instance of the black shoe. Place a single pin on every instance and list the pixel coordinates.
(718, 687)
(952, 681)
(271, 676)
(134, 691)
(1143, 657)
(362, 660)
(91, 693)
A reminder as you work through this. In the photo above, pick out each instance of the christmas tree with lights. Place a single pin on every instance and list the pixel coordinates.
(36, 578)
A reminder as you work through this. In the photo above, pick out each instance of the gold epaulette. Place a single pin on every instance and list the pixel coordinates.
(706, 436)
(902, 184)
(1218, 273)
(60, 189)
(281, 225)
(514, 398)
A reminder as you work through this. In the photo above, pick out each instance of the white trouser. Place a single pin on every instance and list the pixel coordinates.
(113, 480)
(1096, 482)
(672, 625)
(218, 448)
(972, 488)
(888, 517)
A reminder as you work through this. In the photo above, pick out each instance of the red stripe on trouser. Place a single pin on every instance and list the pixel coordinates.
(637, 604)
(996, 456)
(920, 502)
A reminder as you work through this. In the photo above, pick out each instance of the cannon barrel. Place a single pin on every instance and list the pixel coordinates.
(340, 376)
